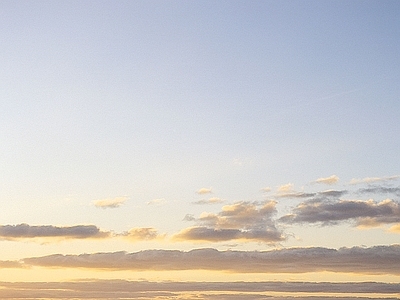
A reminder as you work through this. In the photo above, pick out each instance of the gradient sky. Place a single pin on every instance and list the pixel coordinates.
(217, 141)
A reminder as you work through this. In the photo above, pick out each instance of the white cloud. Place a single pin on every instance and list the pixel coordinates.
(110, 203)
(328, 180)
(203, 191)
(141, 234)
(286, 188)
(373, 179)
(159, 201)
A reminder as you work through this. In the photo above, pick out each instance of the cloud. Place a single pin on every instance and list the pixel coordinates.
(296, 195)
(363, 213)
(122, 289)
(374, 179)
(25, 231)
(213, 200)
(287, 191)
(140, 234)
(373, 260)
(159, 201)
(380, 190)
(239, 221)
(328, 180)
(266, 189)
(206, 234)
(332, 193)
(9, 264)
(110, 203)
(203, 191)
(395, 228)
(286, 188)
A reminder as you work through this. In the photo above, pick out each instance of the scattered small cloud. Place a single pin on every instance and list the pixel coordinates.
(373, 179)
(213, 200)
(266, 189)
(328, 180)
(286, 188)
(159, 201)
(110, 203)
(189, 218)
(25, 231)
(203, 191)
(142, 234)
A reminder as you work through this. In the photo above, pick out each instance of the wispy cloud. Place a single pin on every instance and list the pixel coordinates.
(380, 190)
(203, 191)
(159, 201)
(25, 231)
(213, 200)
(122, 289)
(110, 203)
(239, 221)
(373, 260)
(374, 179)
(328, 180)
(363, 213)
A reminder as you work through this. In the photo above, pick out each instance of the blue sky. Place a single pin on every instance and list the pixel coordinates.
(170, 115)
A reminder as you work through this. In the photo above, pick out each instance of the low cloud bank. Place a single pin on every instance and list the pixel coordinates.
(373, 260)
(121, 289)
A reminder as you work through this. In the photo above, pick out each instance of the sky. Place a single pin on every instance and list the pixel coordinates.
(199, 149)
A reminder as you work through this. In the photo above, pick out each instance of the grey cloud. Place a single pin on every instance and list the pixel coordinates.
(242, 220)
(218, 235)
(23, 231)
(213, 200)
(10, 264)
(380, 190)
(296, 195)
(373, 260)
(332, 193)
(368, 213)
(317, 195)
(121, 289)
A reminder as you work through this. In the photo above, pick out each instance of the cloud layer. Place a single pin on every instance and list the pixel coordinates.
(121, 289)
(373, 260)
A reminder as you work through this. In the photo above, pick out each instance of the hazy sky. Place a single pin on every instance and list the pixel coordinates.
(197, 141)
